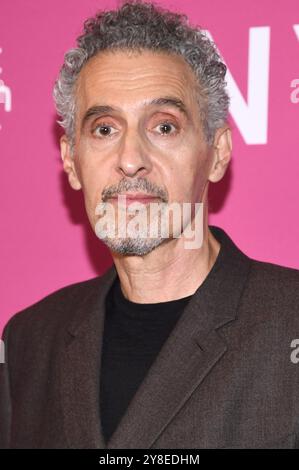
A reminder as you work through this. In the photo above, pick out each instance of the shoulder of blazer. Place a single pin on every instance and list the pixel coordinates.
(272, 292)
(275, 271)
(56, 309)
(273, 277)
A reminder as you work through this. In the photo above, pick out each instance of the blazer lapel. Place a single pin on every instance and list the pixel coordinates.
(80, 368)
(189, 353)
(178, 369)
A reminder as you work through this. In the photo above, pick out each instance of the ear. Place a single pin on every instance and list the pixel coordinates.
(68, 163)
(222, 148)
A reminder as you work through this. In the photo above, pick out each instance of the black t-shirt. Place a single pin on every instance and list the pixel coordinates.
(133, 335)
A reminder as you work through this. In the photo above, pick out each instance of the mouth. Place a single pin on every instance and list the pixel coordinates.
(134, 197)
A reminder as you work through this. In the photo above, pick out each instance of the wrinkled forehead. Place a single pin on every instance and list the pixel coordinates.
(126, 79)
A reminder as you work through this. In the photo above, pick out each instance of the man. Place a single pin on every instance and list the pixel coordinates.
(174, 346)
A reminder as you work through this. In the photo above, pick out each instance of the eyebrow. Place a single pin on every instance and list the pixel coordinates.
(100, 110)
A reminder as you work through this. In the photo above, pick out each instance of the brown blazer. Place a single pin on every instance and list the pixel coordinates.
(224, 378)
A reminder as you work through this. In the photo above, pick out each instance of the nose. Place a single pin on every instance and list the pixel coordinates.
(133, 157)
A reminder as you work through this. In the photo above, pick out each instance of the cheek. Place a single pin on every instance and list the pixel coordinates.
(92, 188)
(188, 180)
(91, 171)
(89, 198)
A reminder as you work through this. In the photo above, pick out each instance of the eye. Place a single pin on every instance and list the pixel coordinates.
(165, 128)
(103, 130)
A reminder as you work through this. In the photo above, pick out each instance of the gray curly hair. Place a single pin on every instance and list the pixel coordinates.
(136, 26)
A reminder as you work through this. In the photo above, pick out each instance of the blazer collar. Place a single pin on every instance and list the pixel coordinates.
(189, 353)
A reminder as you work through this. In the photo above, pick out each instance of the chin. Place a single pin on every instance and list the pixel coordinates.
(132, 246)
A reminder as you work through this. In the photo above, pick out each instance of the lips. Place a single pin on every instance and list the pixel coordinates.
(135, 197)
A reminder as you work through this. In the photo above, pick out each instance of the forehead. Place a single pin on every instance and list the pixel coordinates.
(127, 78)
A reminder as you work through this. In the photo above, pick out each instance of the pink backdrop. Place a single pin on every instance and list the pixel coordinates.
(46, 241)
